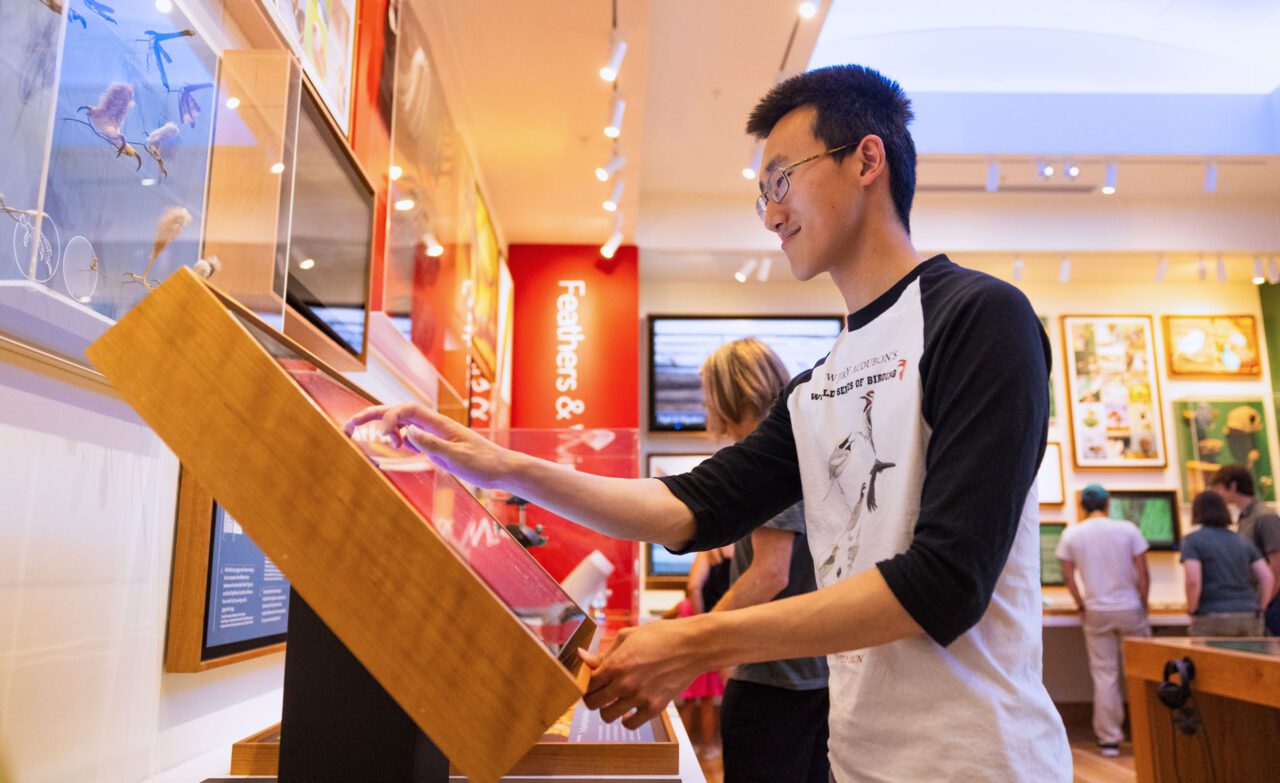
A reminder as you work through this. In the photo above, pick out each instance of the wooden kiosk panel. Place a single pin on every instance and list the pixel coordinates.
(481, 682)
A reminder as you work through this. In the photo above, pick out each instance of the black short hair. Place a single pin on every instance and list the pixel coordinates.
(1239, 475)
(1092, 504)
(852, 101)
(1210, 510)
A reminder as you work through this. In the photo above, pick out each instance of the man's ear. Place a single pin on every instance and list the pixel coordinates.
(871, 158)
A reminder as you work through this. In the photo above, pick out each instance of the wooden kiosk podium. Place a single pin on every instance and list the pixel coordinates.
(417, 615)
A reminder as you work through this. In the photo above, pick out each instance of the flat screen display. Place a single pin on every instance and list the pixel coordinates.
(1155, 512)
(248, 598)
(331, 234)
(678, 346)
(1050, 565)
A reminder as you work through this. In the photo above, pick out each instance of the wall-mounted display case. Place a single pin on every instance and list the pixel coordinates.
(431, 595)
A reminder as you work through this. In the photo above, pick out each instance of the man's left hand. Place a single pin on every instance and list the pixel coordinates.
(644, 669)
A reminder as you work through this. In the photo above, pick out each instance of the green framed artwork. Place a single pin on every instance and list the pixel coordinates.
(1050, 566)
(1216, 432)
(1154, 511)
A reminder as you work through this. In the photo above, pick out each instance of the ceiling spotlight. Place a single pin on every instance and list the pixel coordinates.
(609, 169)
(395, 172)
(434, 248)
(993, 177)
(1109, 181)
(615, 239)
(1071, 170)
(610, 71)
(405, 204)
(233, 103)
(148, 182)
(1162, 269)
(808, 10)
(1044, 170)
(1211, 177)
(614, 129)
(1258, 279)
(611, 204)
(1017, 269)
(306, 263)
(757, 156)
(745, 270)
(277, 168)
(1222, 269)
(164, 6)
(1064, 270)
(762, 274)
(1202, 269)
(1273, 271)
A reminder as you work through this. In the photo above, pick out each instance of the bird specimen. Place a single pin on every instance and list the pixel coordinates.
(101, 9)
(171, 224)
(156, 139)
(207, 267)
(156, 41)
(107, 117)
(188, 109)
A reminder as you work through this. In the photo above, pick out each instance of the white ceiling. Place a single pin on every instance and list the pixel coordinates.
(522, 84)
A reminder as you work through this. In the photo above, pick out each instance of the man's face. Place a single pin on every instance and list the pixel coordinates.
(1224, 491)
(818, 218)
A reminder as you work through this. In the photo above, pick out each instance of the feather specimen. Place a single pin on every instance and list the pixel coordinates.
(171, 224)
(188, 109)
(160, 136)
(101, 9)
(157, 49)
(107, 117)
(207, 267)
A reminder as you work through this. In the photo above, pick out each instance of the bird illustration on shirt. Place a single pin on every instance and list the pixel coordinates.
(839, 458)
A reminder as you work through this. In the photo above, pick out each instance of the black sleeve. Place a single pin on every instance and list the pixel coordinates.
(743, 485)
(985, 372)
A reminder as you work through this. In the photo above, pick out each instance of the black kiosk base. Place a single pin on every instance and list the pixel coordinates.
(338, 724)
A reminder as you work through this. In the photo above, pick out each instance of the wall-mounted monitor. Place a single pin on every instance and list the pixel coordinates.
(679, 344)
(1154, 511)
(1050, 565)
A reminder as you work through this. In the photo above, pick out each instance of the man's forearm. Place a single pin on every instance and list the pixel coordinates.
(632, 509)
(755, 586)
(853, 614)
(1273, 561)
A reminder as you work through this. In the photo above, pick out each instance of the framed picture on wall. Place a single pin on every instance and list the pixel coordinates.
(228, 601)
(1049, 481)
(1212, 346)
(1113, 392)
(1211, 433)
(661, 568)
(1154, 511)
(1053, 397)
(323, 35)
(1050, 565)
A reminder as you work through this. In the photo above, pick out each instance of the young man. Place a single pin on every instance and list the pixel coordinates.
(914, 447)
(1111, 556)
(1258, 524)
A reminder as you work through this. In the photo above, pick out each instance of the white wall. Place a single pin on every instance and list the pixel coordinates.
(87, 505)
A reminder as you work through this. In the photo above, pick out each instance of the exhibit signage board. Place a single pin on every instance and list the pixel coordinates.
(474, 641)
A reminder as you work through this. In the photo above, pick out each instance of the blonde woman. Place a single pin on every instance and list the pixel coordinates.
(773, 718)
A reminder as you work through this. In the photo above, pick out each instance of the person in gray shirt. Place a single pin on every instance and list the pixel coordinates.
(1258, 524)
(773, 720)
(1219, 566)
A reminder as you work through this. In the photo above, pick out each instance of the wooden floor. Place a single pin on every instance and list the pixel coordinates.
(1090, 767)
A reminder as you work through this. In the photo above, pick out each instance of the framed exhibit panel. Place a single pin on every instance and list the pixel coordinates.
(1053, 397)
(228, 602)
(679, 344)
(1154, 511)
(1050, 565)
(663, 570)
(1113, 392)
(1211, 433)
(1049, 481)
(486, 257)
(431, 595)
(322, 33)
(1212, 346)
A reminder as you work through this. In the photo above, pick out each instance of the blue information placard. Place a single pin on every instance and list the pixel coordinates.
(248, 597)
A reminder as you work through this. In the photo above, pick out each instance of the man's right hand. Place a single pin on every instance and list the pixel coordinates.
(459, 450)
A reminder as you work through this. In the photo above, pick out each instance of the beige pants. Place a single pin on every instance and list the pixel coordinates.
(1102, 634)
(1226, 624)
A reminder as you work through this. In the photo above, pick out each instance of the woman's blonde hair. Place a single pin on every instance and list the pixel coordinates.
(740, 381)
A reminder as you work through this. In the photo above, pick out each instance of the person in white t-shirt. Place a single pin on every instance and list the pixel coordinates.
(1111, 558)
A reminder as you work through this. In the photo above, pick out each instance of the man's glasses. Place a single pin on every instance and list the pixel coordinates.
(778, 182)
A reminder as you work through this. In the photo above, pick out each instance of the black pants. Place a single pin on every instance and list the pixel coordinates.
(774, 735)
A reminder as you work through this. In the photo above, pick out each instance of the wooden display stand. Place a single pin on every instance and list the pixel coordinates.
(1237, 695)
(446, 649)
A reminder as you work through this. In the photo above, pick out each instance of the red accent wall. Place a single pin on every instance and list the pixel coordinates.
(370, 128)
(576, 347)
(576, 364)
